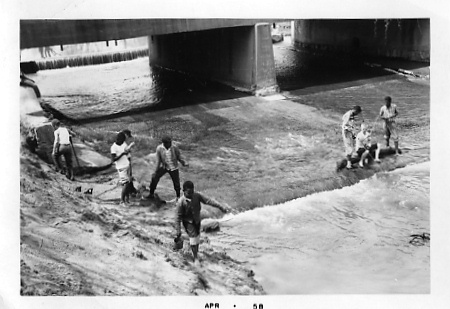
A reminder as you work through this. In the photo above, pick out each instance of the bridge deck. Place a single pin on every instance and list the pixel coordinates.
(36, 33)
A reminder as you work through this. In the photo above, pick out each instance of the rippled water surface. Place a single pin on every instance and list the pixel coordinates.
(110, 90)
(351, 240)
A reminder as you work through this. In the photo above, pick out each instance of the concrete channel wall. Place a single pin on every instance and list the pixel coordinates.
(396, 38)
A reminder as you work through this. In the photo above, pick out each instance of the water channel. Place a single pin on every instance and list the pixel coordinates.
(351, 240)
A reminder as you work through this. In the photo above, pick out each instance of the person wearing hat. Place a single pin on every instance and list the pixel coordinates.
(364, 146)
(167, 158)
(119, 155)
(348, 132)
(62, 147)
(388, 113)
(188, 213)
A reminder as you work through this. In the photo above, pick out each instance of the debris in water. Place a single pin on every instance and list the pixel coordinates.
(419, 239)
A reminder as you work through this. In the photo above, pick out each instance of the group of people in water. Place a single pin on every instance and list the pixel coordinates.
(168, 157)
(360, 143)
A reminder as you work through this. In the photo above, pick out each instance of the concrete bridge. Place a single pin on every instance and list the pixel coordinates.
(237, 52)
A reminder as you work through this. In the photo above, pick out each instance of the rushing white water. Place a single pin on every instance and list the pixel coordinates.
(352, 240)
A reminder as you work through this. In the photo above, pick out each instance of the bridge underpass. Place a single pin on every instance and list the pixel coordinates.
(231, 51)
(241, 57)
(236, 52)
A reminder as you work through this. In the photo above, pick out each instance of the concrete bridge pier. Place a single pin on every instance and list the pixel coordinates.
(241, 57)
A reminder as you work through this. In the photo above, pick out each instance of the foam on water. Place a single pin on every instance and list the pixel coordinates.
(351, 240)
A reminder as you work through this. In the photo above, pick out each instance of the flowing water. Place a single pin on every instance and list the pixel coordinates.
(352, 240)
(115, 88)
(127, 87)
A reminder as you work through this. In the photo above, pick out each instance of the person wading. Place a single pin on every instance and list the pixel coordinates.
(128, 136)
(348, 132)
(167, 158)
(388, 113)
(364, 146)
(62, 147)
(188, 212)
(119, 155)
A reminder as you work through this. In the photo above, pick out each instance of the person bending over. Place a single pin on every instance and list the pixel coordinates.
(364, 147)
(188, 212)
(348, 135)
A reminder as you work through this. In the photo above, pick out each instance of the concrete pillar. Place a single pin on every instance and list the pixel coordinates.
(241, 57)
(293, 31)
(265, 80)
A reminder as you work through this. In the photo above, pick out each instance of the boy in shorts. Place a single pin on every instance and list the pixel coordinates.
(389, 113)
(188, 212)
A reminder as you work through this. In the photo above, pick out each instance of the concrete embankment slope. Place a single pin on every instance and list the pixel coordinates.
(246, 152)
(256, 151)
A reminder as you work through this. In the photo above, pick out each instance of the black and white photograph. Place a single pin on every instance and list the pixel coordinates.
(194, 158)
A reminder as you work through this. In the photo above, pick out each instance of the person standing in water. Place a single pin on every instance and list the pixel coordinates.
(119, 155)
(128, 136)
(388, 113)
(348, 132)
(188, 212)
(167, 158)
